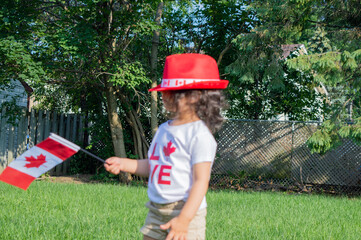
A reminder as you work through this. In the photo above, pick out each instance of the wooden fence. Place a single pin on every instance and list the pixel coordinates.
(33, 127)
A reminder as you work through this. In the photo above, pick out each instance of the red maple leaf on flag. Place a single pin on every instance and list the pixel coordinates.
(169, 149)
(35, 162)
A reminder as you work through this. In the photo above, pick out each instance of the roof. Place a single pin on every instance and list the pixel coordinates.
(27, 88)
(290, 48)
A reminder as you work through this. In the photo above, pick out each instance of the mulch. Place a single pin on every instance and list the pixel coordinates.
(77, 179)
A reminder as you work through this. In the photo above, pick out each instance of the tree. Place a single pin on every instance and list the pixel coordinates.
(206, 26)
(114, 65)
(338, 67)
(17, 23)
(218, 28)
(153, 70)
(90, 57)
(297, 22)
(17, 64)
(262, 85)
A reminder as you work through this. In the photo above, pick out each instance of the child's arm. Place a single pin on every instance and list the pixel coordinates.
(179, 225)
(115, 165)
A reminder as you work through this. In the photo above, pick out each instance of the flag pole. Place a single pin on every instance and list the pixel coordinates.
(92, 155)
(73, 146)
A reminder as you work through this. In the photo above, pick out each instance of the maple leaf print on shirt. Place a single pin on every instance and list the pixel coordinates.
(168, 150)
(35, 162)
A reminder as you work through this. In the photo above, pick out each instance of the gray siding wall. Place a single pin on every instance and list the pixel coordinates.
(18, 92)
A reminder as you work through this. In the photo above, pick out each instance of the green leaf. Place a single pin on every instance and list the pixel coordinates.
(357, 54)
(345, 131)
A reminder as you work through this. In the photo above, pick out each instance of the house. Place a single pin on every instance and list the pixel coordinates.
(298, 49)
(19, 92)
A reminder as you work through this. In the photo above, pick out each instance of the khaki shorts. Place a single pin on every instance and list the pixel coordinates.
(162, 213)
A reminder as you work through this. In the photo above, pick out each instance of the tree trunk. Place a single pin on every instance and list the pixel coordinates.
(138, 149)
(85, 111)
(116, 127)
(222, 54)
(136, 152)
(140, 142)
(153, 69)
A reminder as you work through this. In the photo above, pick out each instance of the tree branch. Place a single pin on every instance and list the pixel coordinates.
(229, 44)
(330, 25)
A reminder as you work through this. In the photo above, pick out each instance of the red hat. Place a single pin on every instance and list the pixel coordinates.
(190, 71)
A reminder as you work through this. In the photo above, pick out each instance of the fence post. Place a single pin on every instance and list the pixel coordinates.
(47, 124)
(40, 130)
(59, 168)
(54, 129)
(292, 148)
(81, 131)
(3, 162)
(11, 151)
(67, 136)
(32, 129)
(22, 133)
(54, 125)
(74, 129)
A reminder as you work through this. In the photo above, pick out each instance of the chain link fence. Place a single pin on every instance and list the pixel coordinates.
(274, 155)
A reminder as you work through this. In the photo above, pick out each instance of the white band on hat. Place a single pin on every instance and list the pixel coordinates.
(181, 82)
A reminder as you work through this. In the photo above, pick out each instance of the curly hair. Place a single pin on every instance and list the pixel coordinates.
(208, 105)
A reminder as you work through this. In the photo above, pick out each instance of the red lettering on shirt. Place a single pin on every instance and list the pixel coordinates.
(164, 174)
(161, 174)
(153, 157)
(155, 169)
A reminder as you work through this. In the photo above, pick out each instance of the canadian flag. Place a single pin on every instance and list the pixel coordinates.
(37, 160)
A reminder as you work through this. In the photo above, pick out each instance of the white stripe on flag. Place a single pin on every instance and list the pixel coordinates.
(64, 142)
(35, 162)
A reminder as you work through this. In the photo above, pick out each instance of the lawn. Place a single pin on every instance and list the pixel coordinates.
(50, 210)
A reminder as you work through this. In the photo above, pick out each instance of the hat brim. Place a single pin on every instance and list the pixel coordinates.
(221, 84)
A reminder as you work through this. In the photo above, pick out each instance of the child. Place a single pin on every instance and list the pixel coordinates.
(182, 151)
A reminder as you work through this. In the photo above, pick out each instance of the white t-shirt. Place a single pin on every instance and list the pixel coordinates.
(172, 154)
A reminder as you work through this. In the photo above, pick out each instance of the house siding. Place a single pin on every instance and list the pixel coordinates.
(18, 92)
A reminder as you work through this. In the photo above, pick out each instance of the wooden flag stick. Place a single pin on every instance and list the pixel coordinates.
(74, 146)
(92, 155)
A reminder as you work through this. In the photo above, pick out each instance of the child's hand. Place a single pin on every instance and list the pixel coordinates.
(114, 165)
(178, 228)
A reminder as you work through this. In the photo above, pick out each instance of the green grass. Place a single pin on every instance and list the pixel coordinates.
(95, 211)
(267, 215)
(71, 211)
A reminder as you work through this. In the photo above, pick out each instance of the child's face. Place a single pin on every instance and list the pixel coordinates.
(168, 101)
(179, 103)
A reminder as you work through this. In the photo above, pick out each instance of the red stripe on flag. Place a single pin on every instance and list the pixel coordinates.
(16, 178)
(61, 151)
